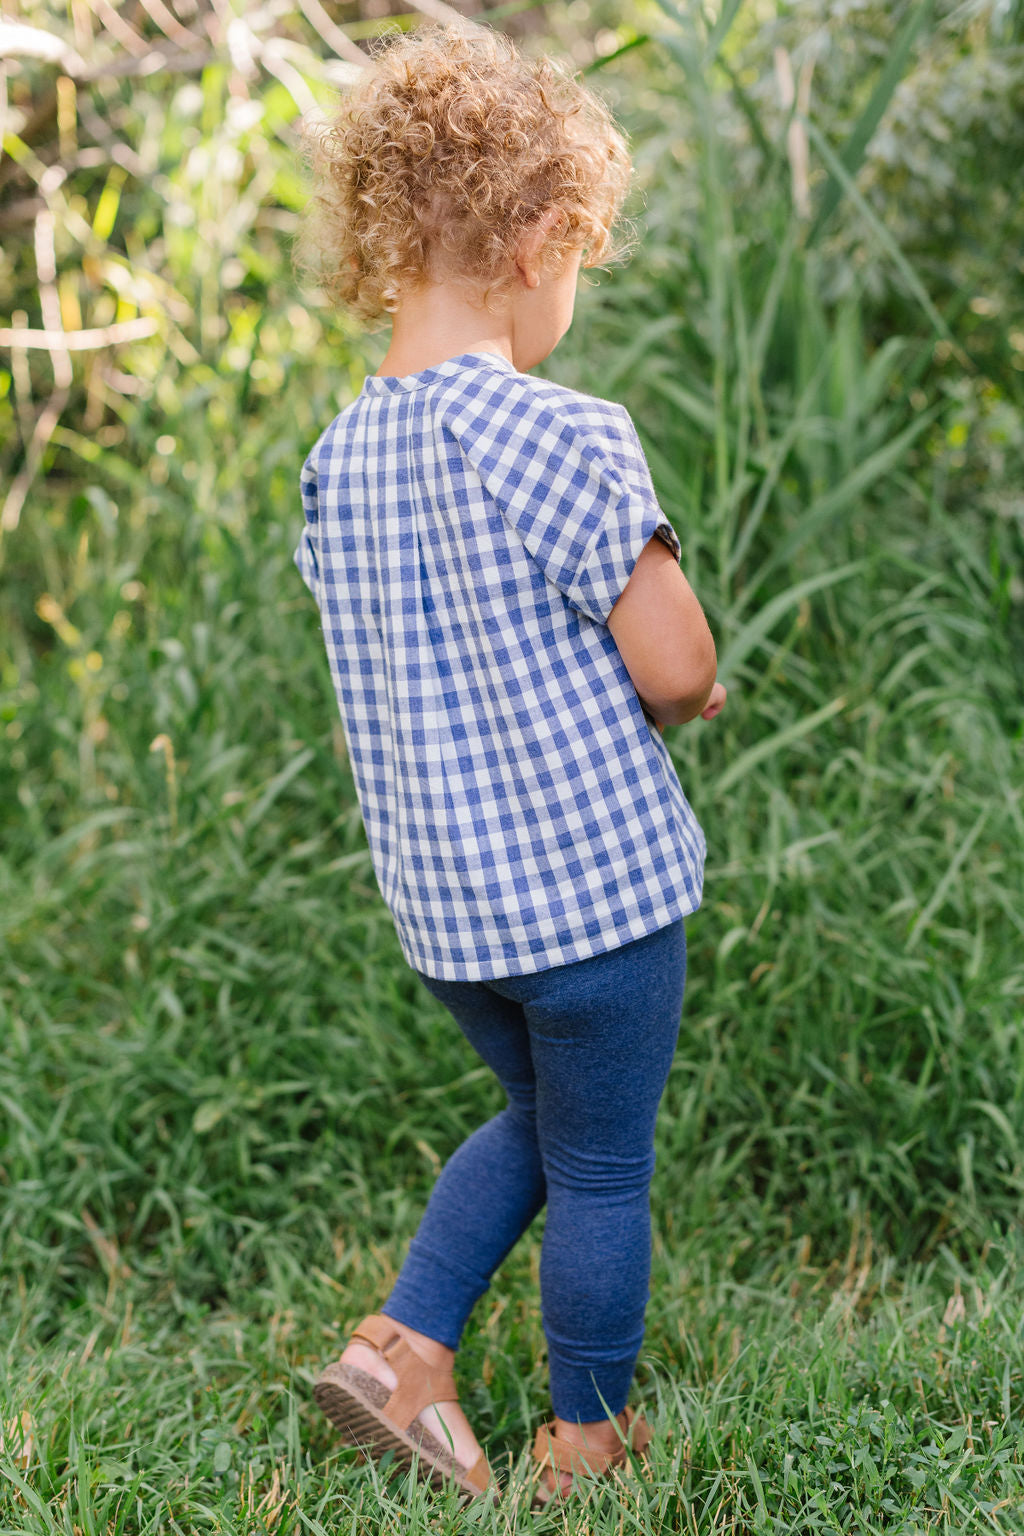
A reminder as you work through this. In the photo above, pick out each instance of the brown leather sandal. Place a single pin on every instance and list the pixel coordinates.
(378, 1420)
(561, 1456)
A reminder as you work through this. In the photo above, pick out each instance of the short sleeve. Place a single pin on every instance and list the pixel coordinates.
(575, 486)
(306, 553)
(627, 524)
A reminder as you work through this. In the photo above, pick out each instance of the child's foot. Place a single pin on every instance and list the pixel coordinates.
(446, 1422)
(600, 1438)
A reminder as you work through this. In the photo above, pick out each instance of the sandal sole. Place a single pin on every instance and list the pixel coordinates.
(353, 1400)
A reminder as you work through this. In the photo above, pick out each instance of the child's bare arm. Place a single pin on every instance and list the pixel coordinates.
(664, 639)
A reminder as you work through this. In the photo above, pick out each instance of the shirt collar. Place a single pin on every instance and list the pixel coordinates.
(390, 384)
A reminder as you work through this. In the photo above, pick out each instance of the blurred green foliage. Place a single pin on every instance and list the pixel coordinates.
(219, 1127)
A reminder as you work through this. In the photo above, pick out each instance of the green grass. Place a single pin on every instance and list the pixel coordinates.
(221, 1129)
(225, 1095)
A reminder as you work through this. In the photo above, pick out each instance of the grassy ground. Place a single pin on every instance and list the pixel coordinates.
(226, 1095)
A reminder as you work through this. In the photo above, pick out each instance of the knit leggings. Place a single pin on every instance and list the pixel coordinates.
(583, 1052)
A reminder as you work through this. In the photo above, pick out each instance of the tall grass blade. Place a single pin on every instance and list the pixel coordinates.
(720, 32)
(274, 786)
(941, 890)
(700, 412)
(841, 497)
(676, 13)
(604, 59)
(853, 150)
(737, 650)
(648, 347)
(885, 240)
(764, 325)
(799, 420)
(771, 152)
(770, 746)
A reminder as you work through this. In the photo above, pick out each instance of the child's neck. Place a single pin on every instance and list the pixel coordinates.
(401, 359)
(441, 320)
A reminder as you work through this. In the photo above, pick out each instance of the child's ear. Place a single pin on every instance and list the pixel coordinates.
(531, 244)
(549, 218)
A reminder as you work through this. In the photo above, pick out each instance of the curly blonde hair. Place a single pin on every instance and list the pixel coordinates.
(449, 145)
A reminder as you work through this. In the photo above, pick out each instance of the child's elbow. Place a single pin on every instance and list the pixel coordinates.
(690, 692)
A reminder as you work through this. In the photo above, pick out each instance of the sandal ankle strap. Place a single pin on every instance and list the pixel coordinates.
(550, 1450)
(417, 1384)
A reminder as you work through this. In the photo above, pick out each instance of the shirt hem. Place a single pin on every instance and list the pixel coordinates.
(584, 949)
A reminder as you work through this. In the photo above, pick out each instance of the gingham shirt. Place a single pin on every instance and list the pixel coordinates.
(468, 531)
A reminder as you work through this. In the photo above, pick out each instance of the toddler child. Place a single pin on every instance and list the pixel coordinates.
(509, 631)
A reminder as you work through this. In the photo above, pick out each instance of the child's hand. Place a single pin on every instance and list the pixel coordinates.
(715, 704)
(713, 707)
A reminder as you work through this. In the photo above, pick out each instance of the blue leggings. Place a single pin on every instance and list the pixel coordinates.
(583, 1052)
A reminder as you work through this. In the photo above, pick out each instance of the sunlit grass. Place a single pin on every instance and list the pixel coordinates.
(221, 1127)
(226, 1096)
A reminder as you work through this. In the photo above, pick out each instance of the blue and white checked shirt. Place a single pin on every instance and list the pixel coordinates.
(468, 531)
